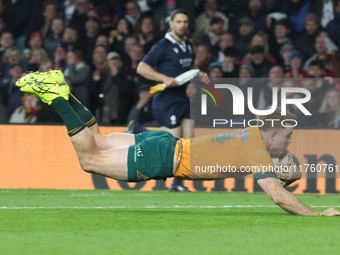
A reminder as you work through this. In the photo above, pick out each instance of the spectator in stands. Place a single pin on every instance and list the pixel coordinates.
(129, 42)
(50, 12)
(212, 38)
(286, 51)
(260, 39)
(215, 70)
(259, 62)
(313, 105)
(46, 65)
(69, 8)
(59, 61)
(136, 54)
(55, 37)
(35, 41)
(317, 69)
(279, 38)
(36, 58)
(71, 38)
(305, 42)
(246, 74)
(304, 121)
(227, 40)
(92, 26)
(141, 115)
(117, 36)
(202, 58)
(325, 10)
(296, 70)
(246, 31)
(229, 65)
(97, 80)
(107, 17)
(233, 8)
(27, 112)
(210, 11)
(330, 109)
(323, 79)
(18, 16)
(147, 32)
(296, 11)
(3, 24)
(133, 12)
(11, 56)
(119, 96)
(79, 16)
(327, 52)
(78, 73)
(332, 27)
(275, 79)
(102, 40)
(257, 12)
(13, 95)
(6, 41)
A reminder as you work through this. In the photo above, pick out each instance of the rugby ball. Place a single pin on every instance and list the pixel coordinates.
(284, 159)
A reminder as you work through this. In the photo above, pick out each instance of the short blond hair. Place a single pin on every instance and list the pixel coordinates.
(267, 125)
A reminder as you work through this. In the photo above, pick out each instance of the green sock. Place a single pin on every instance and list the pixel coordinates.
(72, 121)
(84, 114)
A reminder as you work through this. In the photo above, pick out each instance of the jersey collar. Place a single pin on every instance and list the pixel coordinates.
(174, 41)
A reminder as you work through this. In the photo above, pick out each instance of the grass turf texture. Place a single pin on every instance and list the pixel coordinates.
(132, 222)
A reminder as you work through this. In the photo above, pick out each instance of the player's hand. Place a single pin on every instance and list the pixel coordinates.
(288, 171)
(170, 82)
(204, 77)
(330, 212)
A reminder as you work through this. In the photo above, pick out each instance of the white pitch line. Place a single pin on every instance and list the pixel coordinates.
(150, 207)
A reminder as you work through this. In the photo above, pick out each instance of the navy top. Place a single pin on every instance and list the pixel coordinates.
(171, 58)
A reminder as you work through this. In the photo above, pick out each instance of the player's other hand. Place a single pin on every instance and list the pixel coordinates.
(330, 212)
(170, 82)
(204, 77)
(288, 171)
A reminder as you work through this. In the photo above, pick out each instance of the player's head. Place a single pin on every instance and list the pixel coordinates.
(276, 130)
(179, 22)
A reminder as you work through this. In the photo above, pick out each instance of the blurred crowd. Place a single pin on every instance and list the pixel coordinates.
(99, 43)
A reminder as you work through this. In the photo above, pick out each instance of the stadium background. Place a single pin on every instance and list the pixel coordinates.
(91, 34)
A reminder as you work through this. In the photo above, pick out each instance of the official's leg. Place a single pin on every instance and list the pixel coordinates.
(187, 126)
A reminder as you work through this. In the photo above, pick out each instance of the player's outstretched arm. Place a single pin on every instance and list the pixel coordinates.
(288, 201)
(149, 73)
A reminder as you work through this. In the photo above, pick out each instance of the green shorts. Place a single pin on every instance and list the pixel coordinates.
(151, 157)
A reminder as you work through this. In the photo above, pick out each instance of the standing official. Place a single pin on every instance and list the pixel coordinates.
(168, 58)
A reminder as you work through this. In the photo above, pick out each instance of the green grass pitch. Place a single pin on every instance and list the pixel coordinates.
(131, 222)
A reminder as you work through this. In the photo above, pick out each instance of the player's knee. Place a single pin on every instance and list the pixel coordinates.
(86, 164)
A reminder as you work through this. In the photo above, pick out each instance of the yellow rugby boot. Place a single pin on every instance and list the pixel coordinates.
(50, 77)
(48, 92)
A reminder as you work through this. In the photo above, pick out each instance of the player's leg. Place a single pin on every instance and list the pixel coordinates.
(54, 77)
(103, 142)
(111, 163)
